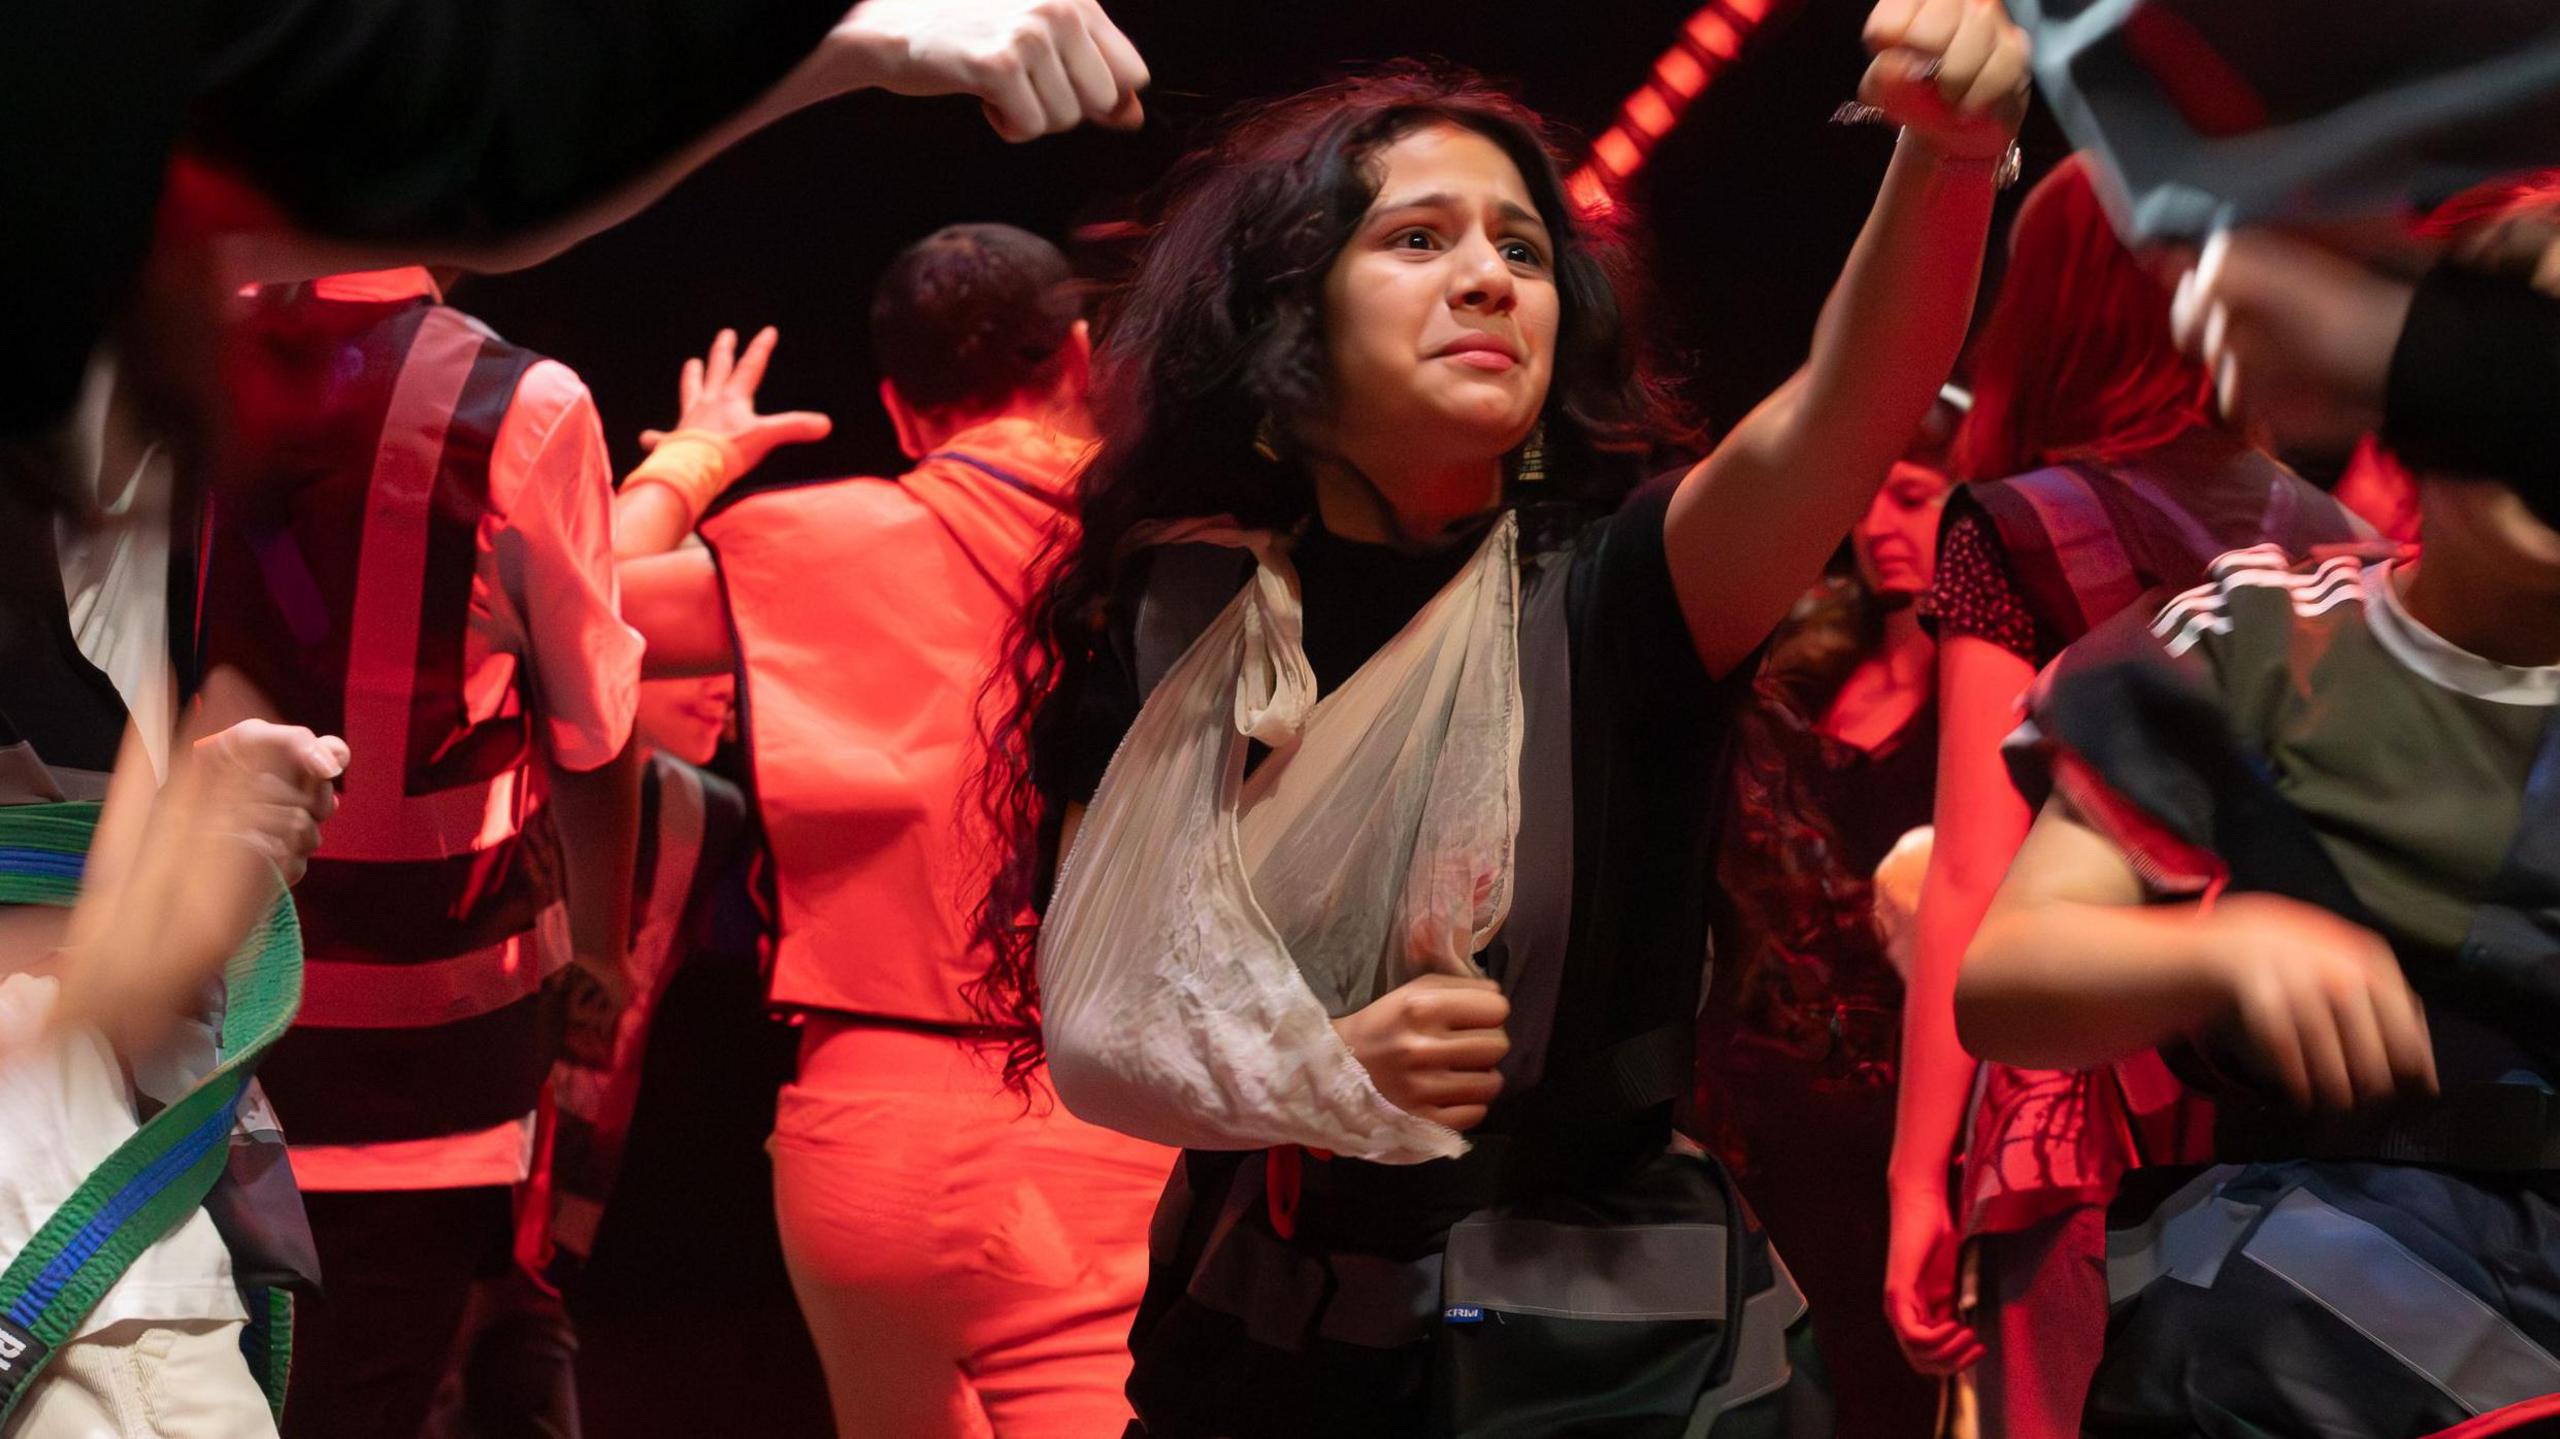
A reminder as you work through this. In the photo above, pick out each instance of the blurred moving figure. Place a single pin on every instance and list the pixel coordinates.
(146, 1217)
(2241, 862)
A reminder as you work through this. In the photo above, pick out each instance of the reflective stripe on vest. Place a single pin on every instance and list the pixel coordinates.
(2368, 1280)
(339, 577)
(436, 866)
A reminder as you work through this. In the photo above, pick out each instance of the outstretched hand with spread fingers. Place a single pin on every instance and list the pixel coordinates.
(716, 397)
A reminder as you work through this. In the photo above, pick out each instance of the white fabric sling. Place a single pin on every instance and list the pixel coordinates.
(1206, 928)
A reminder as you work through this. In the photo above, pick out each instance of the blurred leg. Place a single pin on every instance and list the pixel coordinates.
(398, 1269)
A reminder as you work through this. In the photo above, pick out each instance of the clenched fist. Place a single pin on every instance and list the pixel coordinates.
(1038, 66)
(1951, 72)
(1431, 1046)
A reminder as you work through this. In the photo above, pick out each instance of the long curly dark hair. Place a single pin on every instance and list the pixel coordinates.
(1220, 336)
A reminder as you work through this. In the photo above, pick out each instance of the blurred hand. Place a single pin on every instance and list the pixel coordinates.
(592, 995)
(241, 808)
(2321, 1003)
(2526, 246)
(1920, 1285)
(2298, 337)
(268, 786)
(716, 395)
(1951, 72)
(1431, 1046)
(1038, 66)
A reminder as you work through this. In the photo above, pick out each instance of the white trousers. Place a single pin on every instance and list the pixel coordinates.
(143, 1379)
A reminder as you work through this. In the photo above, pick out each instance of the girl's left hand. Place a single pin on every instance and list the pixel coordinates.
(1953, 73)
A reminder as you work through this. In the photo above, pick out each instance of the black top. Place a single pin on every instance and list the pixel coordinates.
(1356, 596)
(1648, 726)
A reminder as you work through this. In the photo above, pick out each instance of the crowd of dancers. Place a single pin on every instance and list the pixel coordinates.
(1330, 879)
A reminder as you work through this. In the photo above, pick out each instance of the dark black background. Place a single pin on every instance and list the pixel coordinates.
(1745, 211)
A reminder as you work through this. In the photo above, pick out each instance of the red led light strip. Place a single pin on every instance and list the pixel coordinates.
(1708, 43)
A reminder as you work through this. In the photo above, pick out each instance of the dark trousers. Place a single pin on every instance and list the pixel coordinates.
(397, 1268)
(515, 1368)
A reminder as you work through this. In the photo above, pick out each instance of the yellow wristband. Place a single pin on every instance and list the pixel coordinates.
(696, 464)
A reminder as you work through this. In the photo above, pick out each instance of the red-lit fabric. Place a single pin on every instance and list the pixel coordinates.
(868, 615)
(2075, 362)
(969, 1264)
(2042, 1313)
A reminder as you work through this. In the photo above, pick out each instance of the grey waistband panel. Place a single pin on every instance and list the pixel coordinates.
(2185, 1239)
(1761, 1365)
(1571, 1271)
(2428, 1322)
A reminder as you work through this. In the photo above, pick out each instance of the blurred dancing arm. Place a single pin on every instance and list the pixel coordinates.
(1752, 524)
(584, 117)
(177, 873)
(2071, 970)
(2459, 371)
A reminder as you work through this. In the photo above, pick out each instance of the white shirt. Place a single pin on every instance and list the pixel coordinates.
(65, 1104)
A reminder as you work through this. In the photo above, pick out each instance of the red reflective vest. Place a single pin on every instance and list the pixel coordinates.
(340, 583)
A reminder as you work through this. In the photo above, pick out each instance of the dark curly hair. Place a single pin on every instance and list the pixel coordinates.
(1219, 333)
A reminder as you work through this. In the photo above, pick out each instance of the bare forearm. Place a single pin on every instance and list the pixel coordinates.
(1891, 329)
(1980, 821)
(1937, 1075)
(2060, 985)
(1800, 469)
(648, 520)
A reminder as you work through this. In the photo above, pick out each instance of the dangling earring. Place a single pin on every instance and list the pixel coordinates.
(1533, 456)
(1266, 439)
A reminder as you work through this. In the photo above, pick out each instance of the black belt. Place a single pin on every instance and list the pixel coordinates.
(2478, 1126)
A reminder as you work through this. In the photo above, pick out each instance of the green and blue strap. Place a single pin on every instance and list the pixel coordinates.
(160, 1175)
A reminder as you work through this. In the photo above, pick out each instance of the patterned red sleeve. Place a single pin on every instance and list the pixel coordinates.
(1974, 593)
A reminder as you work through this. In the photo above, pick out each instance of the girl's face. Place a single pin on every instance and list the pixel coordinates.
(1897, 542)
(1441, 313)
(686, 717)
